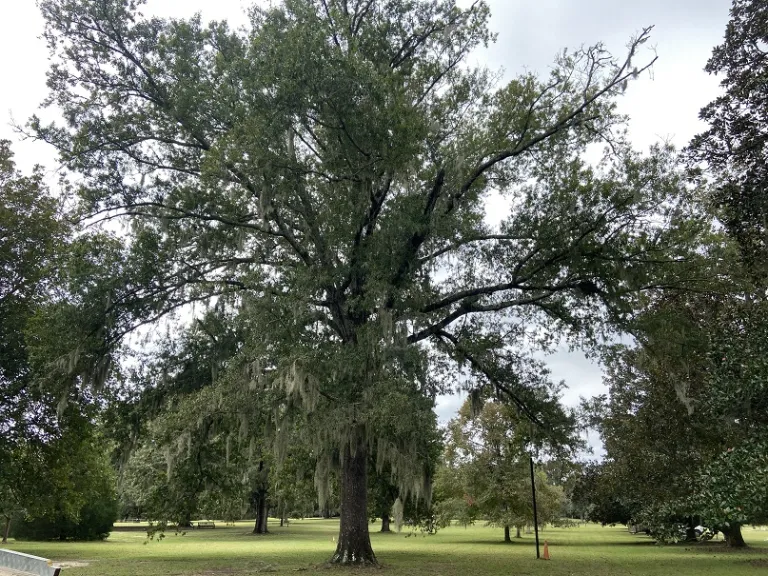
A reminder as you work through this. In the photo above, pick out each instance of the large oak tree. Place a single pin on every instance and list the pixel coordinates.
(325, 172)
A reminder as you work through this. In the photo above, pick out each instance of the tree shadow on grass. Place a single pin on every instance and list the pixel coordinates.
(514, 543)
(523, 542)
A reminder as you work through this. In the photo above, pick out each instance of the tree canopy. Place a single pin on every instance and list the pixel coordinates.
(733, 148)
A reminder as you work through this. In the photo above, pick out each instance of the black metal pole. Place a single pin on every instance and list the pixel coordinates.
(535, 511)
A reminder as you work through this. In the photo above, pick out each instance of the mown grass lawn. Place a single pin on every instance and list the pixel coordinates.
(306, 545)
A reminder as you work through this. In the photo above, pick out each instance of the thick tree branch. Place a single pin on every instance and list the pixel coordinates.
(469, 305)
(481, 367)
(332, 24)
(464, 242)
(571, 120)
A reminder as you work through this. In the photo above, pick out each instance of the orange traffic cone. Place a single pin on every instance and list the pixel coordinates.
(545, 555)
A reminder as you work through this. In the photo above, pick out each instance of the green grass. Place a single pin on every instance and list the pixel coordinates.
(306, 545)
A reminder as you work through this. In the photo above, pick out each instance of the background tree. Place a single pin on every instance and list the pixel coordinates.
(655, 440)
(384, 486)
(205, 452)
(731, 491)
(382, 493)
(53, 480)
(487, 460)
(685, 419)
(292, 490)
(67, 486)
(183, 393)
(596, 497)
(31, 230)
(335, 198)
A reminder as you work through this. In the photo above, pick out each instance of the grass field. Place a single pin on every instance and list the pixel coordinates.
(306, 545)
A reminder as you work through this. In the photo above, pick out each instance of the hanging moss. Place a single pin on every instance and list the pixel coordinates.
(322, 479)
(168, 461)
(397, 513)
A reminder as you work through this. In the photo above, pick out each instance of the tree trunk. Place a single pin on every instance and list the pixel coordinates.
(506, 534)
(733, 537)
(354, 545)
(690, 531)
(7, 529)
(385, 523)
(260, 503)
(518, 535)
(282, 521)
(185, 521)
(263, 516)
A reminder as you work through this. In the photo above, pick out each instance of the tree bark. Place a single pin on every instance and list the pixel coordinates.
(263, 515)
(260, 503)
(733, 537)
(385, 523)
(7, 530)
(506, 534)
(518, 535)
(354, 545)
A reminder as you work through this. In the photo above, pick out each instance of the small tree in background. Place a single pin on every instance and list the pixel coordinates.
(487, 472)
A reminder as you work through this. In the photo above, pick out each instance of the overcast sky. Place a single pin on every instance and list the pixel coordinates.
(663, 105)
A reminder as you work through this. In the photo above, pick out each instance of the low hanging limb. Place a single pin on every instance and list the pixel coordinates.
(500, 386)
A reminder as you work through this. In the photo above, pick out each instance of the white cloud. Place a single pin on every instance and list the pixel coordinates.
(448, 406)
